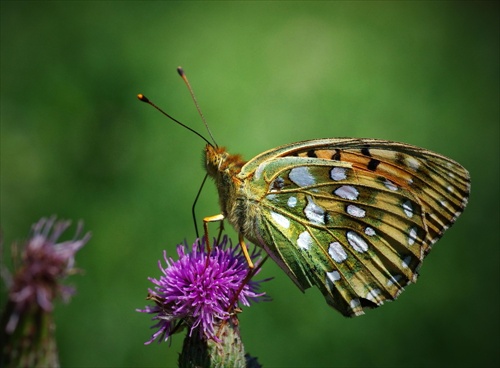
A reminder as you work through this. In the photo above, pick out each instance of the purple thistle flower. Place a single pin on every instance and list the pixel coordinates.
(27, 328)
(197, 290)
(44, 263)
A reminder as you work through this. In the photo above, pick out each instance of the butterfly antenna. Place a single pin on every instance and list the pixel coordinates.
(146, 100)
(184, 78)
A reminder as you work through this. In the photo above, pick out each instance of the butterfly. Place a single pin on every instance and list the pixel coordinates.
(353, 217)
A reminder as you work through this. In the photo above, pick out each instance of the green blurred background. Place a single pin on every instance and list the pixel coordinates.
(76, 142)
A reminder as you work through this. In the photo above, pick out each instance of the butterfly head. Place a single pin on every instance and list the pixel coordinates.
(218, 160)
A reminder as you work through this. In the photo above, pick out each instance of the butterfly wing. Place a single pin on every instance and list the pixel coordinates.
(354, 217)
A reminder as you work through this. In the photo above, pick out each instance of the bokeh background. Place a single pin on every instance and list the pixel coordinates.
(76, 142)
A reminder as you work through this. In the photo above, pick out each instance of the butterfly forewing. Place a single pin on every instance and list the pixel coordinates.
(354, 217)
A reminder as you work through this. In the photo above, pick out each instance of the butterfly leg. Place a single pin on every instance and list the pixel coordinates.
(245, 251)
(250, 273)
(206, 220)
(252, 270)
(221, 229)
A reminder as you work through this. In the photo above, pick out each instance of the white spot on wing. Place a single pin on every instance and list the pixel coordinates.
(412, 163)
(259, 170)
(333, 276)
(412, 236)
(354, 303)
(338, 173)
(408, 208)
(357, 242)
(355, 211)
(347, 192)
(369, 231)
(271, 197)
(292, 202)
(394, 280)
(304, 241)
(450, 189)
(373, 296)
(280, 220)
(337, 253)
(406, 262)
(390, 185)
(314, 213)
(301, 176)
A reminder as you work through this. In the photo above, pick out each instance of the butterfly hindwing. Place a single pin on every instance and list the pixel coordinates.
(353, 217)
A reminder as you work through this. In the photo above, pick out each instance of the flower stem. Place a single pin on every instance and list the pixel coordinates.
(228, 352)
(32, 343)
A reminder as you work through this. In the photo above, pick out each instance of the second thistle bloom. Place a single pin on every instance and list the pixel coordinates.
(45, 262)
(197, 289)
(41, 265)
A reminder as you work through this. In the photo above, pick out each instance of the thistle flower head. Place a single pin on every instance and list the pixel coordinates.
(43, 264)
(27, 328)
(197, 290)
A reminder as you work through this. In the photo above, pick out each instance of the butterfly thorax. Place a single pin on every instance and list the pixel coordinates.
(223, 167)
